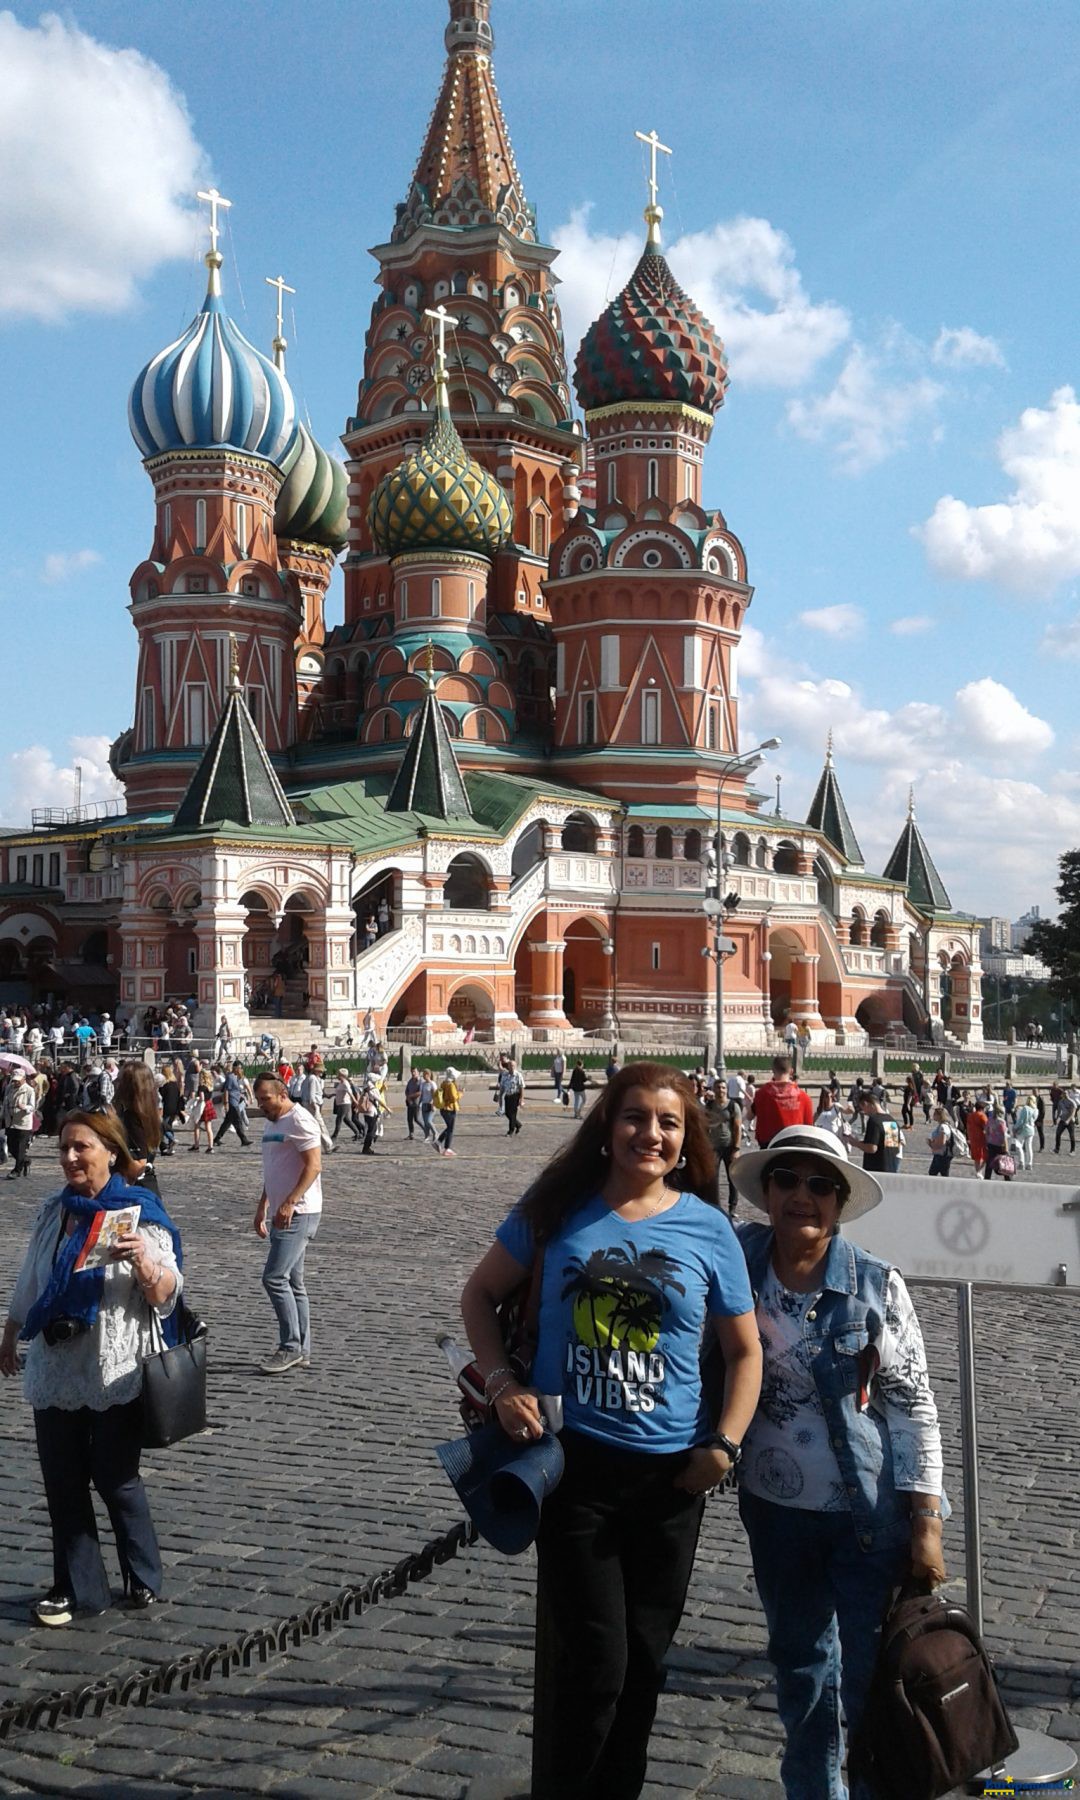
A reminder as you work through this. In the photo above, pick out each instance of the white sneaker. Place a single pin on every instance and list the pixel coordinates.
(281, 1362)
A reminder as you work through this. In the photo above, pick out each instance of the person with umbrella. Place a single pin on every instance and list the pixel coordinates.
(20, 1112)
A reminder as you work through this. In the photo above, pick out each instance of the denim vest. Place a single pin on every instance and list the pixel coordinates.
(839, 1332)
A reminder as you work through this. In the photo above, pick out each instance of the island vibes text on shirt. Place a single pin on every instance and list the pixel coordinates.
(615, 1380)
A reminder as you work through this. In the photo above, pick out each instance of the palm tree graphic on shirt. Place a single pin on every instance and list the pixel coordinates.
(620, 1296)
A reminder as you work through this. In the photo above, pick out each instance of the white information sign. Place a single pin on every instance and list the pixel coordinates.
(954, 1230)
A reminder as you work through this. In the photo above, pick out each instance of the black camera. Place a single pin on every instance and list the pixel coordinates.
(61, 1331)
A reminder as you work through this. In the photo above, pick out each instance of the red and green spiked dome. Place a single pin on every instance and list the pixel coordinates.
(651, 344)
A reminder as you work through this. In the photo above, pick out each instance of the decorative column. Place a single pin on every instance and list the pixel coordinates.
(219, 934)
(804, 999)
(330, 972)
(546, 1000)
(142, 958)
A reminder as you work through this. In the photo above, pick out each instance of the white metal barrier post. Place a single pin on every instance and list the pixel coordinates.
(945, 1233)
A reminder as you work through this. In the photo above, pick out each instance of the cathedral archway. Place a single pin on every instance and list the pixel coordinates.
(586, 973)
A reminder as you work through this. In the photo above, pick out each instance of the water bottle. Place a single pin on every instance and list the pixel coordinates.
(457, 1358)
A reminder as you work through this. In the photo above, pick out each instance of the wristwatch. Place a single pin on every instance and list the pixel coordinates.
(717, 1441)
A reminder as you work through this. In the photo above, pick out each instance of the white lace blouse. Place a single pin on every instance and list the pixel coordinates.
(101, 1367)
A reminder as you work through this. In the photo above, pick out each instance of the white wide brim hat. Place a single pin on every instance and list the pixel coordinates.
(809, 1140)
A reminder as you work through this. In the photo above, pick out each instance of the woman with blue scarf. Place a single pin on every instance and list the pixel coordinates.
(88, 1333)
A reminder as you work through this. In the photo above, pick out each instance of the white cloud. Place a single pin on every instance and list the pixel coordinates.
(32, 777)
(834, 621)
(993, 719)
(912, 625)
(963, 348)
(98, 156)
(60, 565)
(1031, 541)
(868, 412)
(741, 273)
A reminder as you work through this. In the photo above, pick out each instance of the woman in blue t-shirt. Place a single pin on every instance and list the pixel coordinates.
(633, 1264)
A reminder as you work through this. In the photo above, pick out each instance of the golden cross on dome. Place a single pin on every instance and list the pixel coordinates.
(650, 138)
(440, 318)
(280, 341)
(234, 665)
(214, 200)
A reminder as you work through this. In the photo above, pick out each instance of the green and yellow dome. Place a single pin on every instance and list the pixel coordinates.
(440, 498)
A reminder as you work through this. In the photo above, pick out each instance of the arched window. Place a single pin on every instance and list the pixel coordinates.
(579, 834)
(611, 480)
(166, 526)
(200, 524)
(466, 887)
(653, 479)
(740, 850)
(879, 931)
(859, 933)
(761, 854)
(482, 727)
(242, 526)
(387, 727)
(663, 843)
(404, 591)
(635, 841)
(436, 597)
(692, 847)
(588, 720)
(786, 860)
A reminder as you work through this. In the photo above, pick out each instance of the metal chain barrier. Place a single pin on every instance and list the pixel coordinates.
(45, 1711)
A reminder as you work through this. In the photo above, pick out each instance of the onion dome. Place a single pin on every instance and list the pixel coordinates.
(440, 498)
(651, 344)
(211, 389)
(313, 504)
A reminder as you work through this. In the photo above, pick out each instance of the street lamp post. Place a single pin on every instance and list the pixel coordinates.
(715, 907)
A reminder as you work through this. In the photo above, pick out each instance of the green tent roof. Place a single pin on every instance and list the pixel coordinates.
(235, 782)
(829, 815)
(429, 780)
(912, 864)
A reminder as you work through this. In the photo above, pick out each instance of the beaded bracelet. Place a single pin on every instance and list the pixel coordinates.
(488, 1379)
(501, 1390)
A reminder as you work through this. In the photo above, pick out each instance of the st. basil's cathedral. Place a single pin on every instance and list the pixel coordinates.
(519, 753)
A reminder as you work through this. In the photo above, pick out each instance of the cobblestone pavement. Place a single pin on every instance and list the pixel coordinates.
(322, 1477)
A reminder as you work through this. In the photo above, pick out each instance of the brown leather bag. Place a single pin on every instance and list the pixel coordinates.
(934, 1717)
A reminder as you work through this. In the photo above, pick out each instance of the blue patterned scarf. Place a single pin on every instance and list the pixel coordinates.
(77, 1295)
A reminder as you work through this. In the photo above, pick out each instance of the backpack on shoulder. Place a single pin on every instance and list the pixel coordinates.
(934, 1717)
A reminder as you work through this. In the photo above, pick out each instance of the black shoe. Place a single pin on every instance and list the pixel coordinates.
(140, 1597)
(57, 1608)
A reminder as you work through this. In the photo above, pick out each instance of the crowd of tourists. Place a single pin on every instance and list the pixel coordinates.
(823, 1411)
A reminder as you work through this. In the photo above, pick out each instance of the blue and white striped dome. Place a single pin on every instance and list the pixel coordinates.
(212, 388)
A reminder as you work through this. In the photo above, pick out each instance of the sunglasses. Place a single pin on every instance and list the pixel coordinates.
(786, 1181)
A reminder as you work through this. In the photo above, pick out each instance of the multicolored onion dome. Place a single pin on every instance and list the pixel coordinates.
(212, 389)
(652, 343)
(439, 498)
(313, 505)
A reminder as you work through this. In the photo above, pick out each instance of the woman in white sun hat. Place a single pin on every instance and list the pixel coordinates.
(840, 1478)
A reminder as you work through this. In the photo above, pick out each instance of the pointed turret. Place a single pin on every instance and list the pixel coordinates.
(466, 173)
(235, 782)
(912, 864)
(829, 815)
(429, 779)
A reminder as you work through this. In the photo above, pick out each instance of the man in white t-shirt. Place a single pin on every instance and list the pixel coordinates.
(292, 1199)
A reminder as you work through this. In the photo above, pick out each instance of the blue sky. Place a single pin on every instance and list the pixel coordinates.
(874, 204)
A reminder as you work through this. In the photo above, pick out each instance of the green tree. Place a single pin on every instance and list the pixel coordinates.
(1057, 941)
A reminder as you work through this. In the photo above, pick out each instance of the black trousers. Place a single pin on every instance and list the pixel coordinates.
(1066, 1125)
(616, 1547)
(513, 1123)
(76, 1449)
(235, 1118)
(344, 1115)
(19, 1143)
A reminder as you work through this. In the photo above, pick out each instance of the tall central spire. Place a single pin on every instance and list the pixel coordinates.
(466, 174)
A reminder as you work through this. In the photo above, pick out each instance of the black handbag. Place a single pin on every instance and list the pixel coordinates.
(174, 1384)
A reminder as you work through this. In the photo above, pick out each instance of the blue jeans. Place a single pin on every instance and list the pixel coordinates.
(283, 1279)
(824, 1600)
